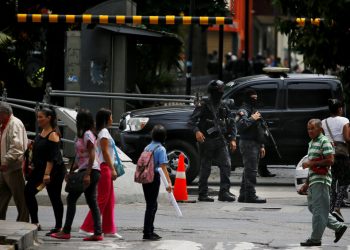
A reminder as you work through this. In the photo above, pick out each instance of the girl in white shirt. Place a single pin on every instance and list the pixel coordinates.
(105, 192)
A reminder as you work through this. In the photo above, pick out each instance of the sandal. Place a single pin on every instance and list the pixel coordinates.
(94, 238)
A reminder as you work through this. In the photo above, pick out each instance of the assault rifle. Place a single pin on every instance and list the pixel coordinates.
(268, 132)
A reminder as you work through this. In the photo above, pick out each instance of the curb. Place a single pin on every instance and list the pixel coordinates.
(17, 235)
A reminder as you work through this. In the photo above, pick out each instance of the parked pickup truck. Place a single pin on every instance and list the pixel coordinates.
(287, 102)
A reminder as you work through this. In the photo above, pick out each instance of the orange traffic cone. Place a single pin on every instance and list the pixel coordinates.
(180, 187)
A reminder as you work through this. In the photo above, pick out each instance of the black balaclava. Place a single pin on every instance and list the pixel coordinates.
(216, 91)
(248, 99)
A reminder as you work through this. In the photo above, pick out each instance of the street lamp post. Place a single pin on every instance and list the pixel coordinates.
(246, 38)
(221, 51)
(189, 52)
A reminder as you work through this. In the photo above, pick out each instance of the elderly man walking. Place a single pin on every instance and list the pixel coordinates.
(320, 158)
(13, 144)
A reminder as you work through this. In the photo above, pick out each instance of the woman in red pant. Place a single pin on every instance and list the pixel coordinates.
(105, 192)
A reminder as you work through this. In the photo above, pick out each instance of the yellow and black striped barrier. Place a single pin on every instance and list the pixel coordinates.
(106, 19)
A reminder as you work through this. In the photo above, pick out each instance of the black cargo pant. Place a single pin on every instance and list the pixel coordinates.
(250, 151)
(90, 196)
(214, 150)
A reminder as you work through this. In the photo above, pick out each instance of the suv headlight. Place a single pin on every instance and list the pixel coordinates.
(136, 123)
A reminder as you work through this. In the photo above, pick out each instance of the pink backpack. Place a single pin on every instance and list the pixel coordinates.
(145, 167)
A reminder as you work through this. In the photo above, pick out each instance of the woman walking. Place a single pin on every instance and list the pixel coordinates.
(48, 169)
(105, 192)
(85, 161)
(151, 190)
(336, 128)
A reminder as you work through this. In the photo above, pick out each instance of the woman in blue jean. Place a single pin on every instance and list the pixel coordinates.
(85, 161)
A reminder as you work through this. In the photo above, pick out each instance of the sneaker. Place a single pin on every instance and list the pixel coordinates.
(61, 236)
(93, 238)
(53, 230)
(340, 233)
(338, 216)
(151, 237)
(81, 231)
(310, 243)
(115, 235)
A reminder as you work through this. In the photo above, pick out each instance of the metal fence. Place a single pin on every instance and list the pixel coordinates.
(33, 106)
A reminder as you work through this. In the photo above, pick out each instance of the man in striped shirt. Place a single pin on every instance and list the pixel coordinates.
(320, 158)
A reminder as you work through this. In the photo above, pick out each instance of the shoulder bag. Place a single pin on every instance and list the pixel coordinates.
(75, 181)
(118, 165)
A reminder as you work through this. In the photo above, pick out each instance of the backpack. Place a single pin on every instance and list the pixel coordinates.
(145, 167)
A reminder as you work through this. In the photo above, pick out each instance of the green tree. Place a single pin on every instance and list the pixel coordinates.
(324, 46)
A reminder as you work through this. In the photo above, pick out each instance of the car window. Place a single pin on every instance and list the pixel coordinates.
(308, 95)
(267, 95)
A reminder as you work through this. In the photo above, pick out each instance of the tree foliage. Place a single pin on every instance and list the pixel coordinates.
(325, 46)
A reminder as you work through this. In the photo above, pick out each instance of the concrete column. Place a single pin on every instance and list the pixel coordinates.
(119, 73)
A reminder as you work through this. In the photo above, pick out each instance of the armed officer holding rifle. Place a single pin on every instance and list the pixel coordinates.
(214, 127)
(252, 138)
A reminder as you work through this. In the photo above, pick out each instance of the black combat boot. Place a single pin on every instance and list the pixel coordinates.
(255, 199)
(264, 172)
(205, 198)
(225, 196)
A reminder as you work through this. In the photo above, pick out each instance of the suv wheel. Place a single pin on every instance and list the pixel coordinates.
(174, 149)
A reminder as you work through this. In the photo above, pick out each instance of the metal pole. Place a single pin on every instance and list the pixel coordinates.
(246, 38)
(121, 94)
(121, 98)
(37, 108)
(189, 53)
(221, 50)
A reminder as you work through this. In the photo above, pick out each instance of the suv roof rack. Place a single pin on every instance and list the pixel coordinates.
(276, 71)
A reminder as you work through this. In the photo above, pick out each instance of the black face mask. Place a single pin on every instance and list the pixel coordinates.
(216, 96)
(253, 102)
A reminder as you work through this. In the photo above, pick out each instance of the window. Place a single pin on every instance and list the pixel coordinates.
(267, 94)
(308, 95)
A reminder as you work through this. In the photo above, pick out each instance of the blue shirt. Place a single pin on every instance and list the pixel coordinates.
(159, 155)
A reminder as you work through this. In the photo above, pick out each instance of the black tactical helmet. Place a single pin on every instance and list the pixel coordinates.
(216, 86)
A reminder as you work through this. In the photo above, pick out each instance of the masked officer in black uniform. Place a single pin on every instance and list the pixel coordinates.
(251, 145)
(214, 126)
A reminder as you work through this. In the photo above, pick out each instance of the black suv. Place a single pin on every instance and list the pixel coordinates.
(286, 101)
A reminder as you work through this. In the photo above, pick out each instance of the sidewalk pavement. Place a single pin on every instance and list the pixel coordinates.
(17, 235)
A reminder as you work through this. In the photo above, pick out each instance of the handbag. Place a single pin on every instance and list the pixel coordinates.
(119, 167)
(75, 181)
(341, 148)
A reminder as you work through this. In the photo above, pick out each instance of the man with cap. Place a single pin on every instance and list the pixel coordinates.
(13, 145)
(251, 146)
(213, 125)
